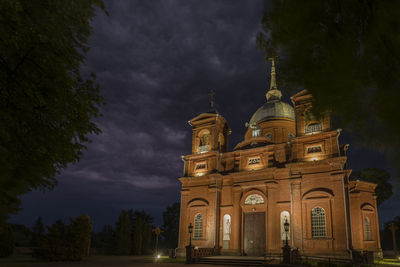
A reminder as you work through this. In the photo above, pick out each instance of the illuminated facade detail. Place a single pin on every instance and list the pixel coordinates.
(200, 166)
(314, 149)
(254, 161)
(367, 229)
(285, 216)
(198, 227)
(254, 199)
(318, 222)
(295, 169)
(314, 128)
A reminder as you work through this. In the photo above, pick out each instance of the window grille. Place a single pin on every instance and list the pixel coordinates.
(314, 149)
(367, 229)
(314, 128)
(200, 166)
(318, 222)
(198, 227)
(254, 161)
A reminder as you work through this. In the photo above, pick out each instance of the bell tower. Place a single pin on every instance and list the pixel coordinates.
(210, 131)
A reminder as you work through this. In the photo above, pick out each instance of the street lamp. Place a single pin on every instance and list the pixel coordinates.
(189, 255)
(190, 234)
(286, 226)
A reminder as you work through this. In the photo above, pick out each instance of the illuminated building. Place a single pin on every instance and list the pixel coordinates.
(291, 166)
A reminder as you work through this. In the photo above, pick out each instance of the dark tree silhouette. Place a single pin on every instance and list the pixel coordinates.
(379, 177)
(46, 104)
(347, 54)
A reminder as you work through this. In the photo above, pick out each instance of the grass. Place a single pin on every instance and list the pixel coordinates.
(394, 262)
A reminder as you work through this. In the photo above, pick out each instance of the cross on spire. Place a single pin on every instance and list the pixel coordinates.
(273, 93)
(212, 93)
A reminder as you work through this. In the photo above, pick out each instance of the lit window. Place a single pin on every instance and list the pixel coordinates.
(198, 226)
(314, 128)
(256, 132)
(318, 222)
(314, 149)
(367, 229)
(200, 166)
(254, 161)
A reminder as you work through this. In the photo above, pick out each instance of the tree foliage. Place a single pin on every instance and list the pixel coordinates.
(106, 238)
(22, 235)
(37, 232)
(6, 241)
(66, 242)
(376, 176)
(347, 54)
(46, 104)
(142, 232)
(123, 234)
(171, 225)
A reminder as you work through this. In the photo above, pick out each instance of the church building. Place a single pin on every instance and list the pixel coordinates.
(291, 168)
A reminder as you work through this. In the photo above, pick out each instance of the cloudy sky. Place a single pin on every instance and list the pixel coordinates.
(156, 62)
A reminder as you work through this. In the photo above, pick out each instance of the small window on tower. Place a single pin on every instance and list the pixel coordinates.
(254, 161)
(200, 166)
(269, 136)
(314, 149)
(290, 136)
(313, 128)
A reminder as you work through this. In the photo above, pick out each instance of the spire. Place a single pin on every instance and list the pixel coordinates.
(212, 109)
(273, 93)
(212, 93)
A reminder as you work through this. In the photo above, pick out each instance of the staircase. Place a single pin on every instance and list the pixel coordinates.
(237, 261)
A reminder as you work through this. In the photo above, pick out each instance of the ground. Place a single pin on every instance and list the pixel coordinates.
(124, 261)
(96, 261)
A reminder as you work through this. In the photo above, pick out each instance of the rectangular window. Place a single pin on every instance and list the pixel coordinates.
(254, 161)
(200, 166)
(314, 149)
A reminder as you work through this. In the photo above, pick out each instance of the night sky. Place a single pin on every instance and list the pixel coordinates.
(156, 62)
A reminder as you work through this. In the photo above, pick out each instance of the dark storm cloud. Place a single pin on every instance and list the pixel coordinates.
(156, 62)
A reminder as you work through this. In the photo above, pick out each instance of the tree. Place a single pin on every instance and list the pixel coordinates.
(379, 177)
(37, 232)
(66, 242)
(346, 53)
(142, 232)
(123, 234)
(105, 238)
(171, 225)
(22, 235)
(6, 241)
(46, 104)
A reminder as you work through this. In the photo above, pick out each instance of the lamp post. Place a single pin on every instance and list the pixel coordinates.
(286, 247)
(286, 226)
(189, 248)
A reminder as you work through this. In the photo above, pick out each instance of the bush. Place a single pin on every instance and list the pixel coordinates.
(6, 241)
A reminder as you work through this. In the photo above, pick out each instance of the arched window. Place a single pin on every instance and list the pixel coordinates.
(318, 222)
(313, 128)
(290, 136)
(367, 229)
(198, 226)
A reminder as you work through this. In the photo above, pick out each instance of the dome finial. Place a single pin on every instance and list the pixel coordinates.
(273, 93)
(212, 93)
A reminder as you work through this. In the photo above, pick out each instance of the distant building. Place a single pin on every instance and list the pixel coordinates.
(290, 166)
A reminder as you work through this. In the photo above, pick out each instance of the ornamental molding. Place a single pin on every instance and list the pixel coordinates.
(254, 199)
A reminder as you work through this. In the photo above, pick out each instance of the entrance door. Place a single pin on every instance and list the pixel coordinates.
(254, 233)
